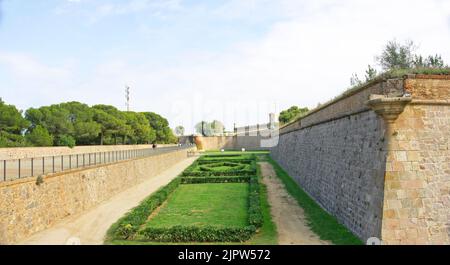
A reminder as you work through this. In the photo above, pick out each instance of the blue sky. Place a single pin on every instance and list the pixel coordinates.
(232, 60)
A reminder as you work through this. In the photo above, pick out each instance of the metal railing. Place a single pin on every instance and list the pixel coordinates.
(28, 167)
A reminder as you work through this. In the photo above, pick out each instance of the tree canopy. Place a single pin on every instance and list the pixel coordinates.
(12, 125)
(398, 56)
(292, 113)
(210, 128)
(163, 133)
(75, 123)
(179, 130)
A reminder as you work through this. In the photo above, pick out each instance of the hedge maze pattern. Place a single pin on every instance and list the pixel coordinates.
(223, 168)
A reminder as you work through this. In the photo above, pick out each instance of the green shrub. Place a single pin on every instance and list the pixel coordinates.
(131, 225)
(226, 179)
(39, 136)
(128, 225)
(197, 234)
(216, 174)
(254, 205)
(65, 140)
(221, 168)
(223, 157)
(213, 161)
(211, 233)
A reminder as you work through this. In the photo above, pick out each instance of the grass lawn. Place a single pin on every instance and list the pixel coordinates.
(223, 204)
(267, 234)
(226, 205)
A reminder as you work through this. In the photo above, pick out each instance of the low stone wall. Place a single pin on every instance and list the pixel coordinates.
(27, 208)
(377, 158)
(29, 152)
(229, 142)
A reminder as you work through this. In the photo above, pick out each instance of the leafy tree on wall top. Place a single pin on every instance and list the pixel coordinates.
(398, 56)
(402, 56)
(371, 73)
(292, 113)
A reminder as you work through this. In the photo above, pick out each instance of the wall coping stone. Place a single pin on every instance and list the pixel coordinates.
(75, 170)
(296, 125)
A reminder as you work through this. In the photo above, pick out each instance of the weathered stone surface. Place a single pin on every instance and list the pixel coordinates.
(423, 189)
(27, 208)
(338, 163)
(384, 179)
(230, 142)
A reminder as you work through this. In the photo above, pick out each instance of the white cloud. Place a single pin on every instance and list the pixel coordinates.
(309, 59)
(305, 58)
(26, 67)
(29, 82)
(96, 10)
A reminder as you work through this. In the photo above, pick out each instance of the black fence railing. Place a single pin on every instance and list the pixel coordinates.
(28, 167)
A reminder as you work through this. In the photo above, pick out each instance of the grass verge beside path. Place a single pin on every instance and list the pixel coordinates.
(322, 223)
(267, 234)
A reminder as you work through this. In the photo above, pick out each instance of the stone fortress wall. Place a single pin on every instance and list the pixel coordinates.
(378, 159)
(28, 207)
(236, 142)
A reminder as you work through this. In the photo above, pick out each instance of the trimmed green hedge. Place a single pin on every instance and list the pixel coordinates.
(197, 234)
(212, 233)
(130, 227)
(240, 161)
(254, 204)
(223, 157)
(127, 226)
(247, 168)
(226, 179)
(219, 167)
(217, 174)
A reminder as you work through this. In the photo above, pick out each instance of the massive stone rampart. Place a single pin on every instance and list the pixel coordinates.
(378, 159)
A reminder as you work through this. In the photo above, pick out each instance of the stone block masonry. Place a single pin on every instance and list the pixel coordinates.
(29, 152)
(230, 142)
(27, 208)
(378, 159)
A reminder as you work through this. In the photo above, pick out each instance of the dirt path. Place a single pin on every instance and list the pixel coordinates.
(286, 213)
(90, 227)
